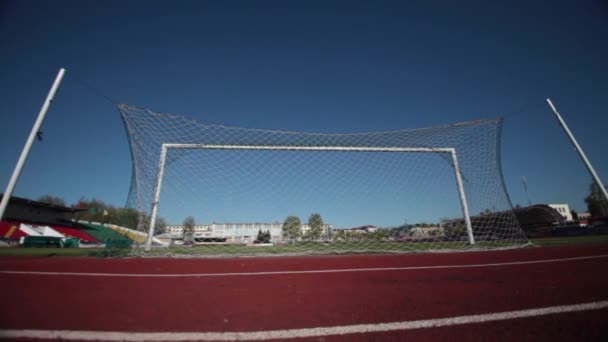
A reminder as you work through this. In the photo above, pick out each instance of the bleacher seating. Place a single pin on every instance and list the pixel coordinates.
(136, 236)
(106, 235)
(77, 233)
(10, 230)
(40, 230)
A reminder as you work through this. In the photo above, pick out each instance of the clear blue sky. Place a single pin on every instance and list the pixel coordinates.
(308, 66)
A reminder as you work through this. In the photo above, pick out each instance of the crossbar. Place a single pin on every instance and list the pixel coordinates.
(310, 148)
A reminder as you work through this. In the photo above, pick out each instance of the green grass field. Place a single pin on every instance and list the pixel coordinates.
(371, 247)
(570, 240)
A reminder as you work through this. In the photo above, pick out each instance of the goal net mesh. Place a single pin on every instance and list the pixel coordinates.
(263, 191)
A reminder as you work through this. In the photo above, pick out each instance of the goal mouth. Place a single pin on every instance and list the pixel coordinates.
(407, 190)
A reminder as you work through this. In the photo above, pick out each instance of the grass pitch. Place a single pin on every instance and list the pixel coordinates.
(371, 247)
(570, 240)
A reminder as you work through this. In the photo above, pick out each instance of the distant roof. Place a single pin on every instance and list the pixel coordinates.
(57, 208)
(362, 227)
(537, 215)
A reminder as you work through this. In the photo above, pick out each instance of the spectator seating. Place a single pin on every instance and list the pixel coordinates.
(106, 235)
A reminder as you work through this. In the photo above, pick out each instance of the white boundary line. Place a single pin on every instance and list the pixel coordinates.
(84, 335)
(346, 270)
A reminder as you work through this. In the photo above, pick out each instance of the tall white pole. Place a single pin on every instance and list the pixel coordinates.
(28, 145)
(562, 123)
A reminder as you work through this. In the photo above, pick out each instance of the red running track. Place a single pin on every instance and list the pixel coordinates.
(292, 301)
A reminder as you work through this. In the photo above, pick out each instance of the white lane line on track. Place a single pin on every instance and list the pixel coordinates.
(346, 270)
(296, 333)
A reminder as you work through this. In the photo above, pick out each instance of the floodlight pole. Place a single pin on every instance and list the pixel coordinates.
(562, 123)
(28, 144)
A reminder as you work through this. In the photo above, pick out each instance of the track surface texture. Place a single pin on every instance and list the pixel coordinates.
(260, 296)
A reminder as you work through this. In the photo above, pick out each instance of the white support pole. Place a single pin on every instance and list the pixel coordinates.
(562, 123)
(157, 187)
(463, 198)
(28, 144)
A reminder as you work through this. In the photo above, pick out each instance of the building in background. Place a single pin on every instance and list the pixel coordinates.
(564, 210)
(245, 232)
(229, 232)
(200, 230)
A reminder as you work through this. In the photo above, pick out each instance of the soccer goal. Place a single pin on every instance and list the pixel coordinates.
(276, 192)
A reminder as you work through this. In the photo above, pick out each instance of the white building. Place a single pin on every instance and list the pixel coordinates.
(427, 231)
(584, 216)
(232, 232)
(177, 231)
(325, 229)
(237, 232)
(246, 232)
(564, 210)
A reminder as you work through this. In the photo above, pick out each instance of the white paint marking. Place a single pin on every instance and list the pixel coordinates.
(346, 270)
(296, 333)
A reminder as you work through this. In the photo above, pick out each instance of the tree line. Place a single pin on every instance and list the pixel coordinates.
(99, 211)
(292, 228)
(596, 203)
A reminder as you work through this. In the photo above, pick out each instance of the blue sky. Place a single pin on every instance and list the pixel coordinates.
(321, 66)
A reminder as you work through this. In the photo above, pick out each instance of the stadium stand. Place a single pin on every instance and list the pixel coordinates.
(75, 233)
(136, 236)
(53, 225)
(26, 210)
(106, 235)
(10, 230)
(40, 230)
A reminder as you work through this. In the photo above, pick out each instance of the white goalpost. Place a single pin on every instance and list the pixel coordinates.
(305, 193)
(166, 146)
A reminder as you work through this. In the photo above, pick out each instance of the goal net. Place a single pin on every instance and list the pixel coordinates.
(253, 191)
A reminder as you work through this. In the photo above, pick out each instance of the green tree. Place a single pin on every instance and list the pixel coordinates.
(315, 222)
(54, 200)
(292, 228)
(95, 209)
(160, 226)
(456, 231)
(380, 235)
(596, 204)
(188, 224)
(124, 217)
(486, 212)
(99, 211)
(263, 237)
(574, 215)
